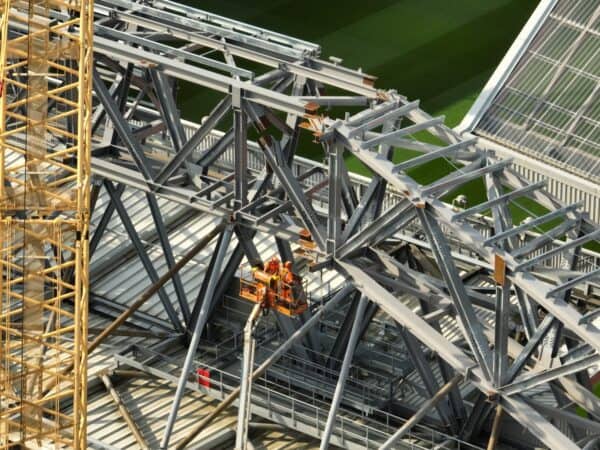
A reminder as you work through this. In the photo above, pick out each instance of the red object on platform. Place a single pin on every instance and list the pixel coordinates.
(203, 377)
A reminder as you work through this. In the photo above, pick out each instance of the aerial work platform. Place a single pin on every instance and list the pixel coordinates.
(275, 286)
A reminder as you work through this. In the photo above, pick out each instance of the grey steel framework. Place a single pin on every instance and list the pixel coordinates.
(548, 106)
(475, 323)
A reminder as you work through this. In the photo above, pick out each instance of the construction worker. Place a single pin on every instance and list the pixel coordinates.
(272, 266)
(287, 280)
(261, 292)
(286, 273)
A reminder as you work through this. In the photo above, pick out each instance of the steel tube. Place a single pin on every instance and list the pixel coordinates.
(199, 326)
(495, 428)
(124, 412)
(339, 388)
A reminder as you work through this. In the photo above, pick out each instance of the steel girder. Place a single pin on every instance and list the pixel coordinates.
(527, 279)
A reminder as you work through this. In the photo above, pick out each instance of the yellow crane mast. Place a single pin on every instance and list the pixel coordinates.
(45, 121)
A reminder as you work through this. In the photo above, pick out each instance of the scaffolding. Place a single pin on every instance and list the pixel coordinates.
(45, 107)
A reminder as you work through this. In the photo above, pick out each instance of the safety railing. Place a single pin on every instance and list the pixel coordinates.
(303, 412)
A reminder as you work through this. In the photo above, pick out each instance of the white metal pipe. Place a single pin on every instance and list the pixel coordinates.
(241, 437)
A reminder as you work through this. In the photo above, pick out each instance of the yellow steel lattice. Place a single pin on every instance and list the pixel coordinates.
(45, 119)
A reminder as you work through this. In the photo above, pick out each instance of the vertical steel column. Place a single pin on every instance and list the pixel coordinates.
(502, 222)
(199, 326)
(500, 364)
(336, 152)
(339, 388)
(241, 149)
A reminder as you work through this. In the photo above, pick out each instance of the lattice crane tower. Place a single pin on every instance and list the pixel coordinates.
(45, 107)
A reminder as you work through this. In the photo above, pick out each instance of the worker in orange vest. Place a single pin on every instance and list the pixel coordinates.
(287, 278)
(272, 266)
(286, 274)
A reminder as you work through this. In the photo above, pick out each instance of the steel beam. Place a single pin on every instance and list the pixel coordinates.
(104, 221)
(202, 77)
(197, 331)
(528, 381)
(413, 323)
(533, 342)
(423, 367)
(536, 424)
(124, 412)
(141, 251)
(423, 410)
(294, 191)
(339, 388)
(441, 152)
(186, 150)
(122, 127)
(168, 108)
(163, 237)
(474, 331)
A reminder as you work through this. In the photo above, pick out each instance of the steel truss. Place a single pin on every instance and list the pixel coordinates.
(519, 290)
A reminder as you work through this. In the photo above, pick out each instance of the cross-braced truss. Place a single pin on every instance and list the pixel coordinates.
(520, 291)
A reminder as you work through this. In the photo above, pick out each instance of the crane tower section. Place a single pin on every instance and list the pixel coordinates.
(45, 107)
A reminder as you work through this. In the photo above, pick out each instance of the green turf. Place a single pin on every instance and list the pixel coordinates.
(441, 52)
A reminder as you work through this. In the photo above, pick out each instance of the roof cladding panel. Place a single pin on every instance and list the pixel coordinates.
(549, 107)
